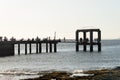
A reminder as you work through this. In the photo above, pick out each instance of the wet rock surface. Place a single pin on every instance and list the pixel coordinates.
(104, 74)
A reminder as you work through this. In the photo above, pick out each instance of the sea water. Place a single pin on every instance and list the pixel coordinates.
(66, 59)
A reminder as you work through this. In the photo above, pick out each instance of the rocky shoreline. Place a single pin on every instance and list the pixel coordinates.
(104, 74)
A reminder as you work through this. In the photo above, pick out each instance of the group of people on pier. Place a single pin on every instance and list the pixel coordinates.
(22, 39)
(84, 41)
(87, 40)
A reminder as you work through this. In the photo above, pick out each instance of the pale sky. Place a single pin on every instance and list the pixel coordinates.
(31, 18)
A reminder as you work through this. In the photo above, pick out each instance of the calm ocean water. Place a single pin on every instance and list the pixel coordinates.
(66, 59)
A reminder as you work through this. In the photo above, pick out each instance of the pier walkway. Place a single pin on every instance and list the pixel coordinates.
(7, 48)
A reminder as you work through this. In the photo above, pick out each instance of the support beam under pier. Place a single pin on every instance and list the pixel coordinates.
(40, 47)
(55, 47)
(36, 48)
(91, 41)
(46, 47)
(50, 47)
(18, 48)
(84, 41)
(30, 48)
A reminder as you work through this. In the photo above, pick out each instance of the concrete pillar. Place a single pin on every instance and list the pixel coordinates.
(55, 47)
(13, 49)
(37, 48)
(99, 39)
(40, 47)
(84, 38)
(50, 47)
(46, 47)
(91, 41)
(30, 48)
(99, 47)
(25, 48)
(18, 48)
(77, 41)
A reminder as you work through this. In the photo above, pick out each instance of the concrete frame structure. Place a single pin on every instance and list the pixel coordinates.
(85, 41)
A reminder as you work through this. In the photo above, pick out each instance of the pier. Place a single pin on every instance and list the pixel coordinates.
(84, 37)
(51, 46)
(84, 41)
(7, 48)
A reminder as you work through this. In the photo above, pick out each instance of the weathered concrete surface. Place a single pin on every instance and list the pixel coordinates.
(6, 49)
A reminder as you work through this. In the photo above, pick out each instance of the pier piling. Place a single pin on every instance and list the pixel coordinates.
(40, 47)
(91, 41)
(36, 48)
(50, 47)
(84, 36)
(18, 48)
(46, 47)
(30, 48)
(25, 48)
(55, 47)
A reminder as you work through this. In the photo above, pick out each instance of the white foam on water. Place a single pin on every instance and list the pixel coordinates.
(81, 74)
(15, 74)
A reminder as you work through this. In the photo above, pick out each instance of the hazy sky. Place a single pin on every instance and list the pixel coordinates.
(31, 18)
